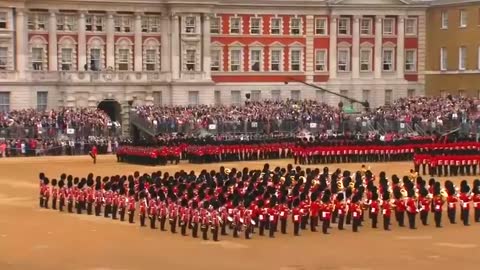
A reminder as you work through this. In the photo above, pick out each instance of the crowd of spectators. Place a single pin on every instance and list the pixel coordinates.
(428, 111)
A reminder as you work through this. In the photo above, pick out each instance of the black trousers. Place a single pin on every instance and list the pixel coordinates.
(451, 212)
(122, 213)
(41, 201)
(107, 210)
(341, 219)
(205, 232)
(131, 214)
(271, 232)
(261, 228)
(248, 231)
(355, 223)
(296, 228)
(173, 225)
(325, 225)
(153, 219)
(465, 214)
(61, 204)
(313, 223)
(283, 226)
(386, 222)
(70, 207)
(374, 217)
(195, 230)
(411, 220)
(224, 228)
(114, 211)
(438, 219)
(163, 221)
(98, 208)
(215, 233)
(424, 217)
(89, 208)
(78, 206)
(54, 203)
(45, 202)
(400, 216)
(142, 220)
(183, 229)
(477, 215)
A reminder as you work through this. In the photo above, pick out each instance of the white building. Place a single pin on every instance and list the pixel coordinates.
(80, 53)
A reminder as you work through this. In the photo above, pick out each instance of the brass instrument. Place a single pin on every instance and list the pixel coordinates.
(340, 184)
(444, 194)
(404, 192)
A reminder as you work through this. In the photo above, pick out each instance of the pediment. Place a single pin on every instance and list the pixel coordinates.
(216, 44)
(256, 44)
(296, 44)
(236, 44)
(277, 44)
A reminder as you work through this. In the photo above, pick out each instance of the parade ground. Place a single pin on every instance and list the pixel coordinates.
(37, 239)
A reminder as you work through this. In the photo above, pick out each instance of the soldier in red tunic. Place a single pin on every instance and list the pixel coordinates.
(451, 201)
(195, 219)
(314, 212)
(42, 188)
(143, 208)
(283, 210)
(424, 202)
(62, 195)
(70, 194)
(476, 200)
(386, 210)
(152, 210)
(374, 209)
(296, 217)
(172, 216)
(340, 209)
(273, 217)
(438, 202)
(184, 217)
(399, 206)
(465, 202)
(122, 205)
(215, 221)
(131, 206)
(115, 201)
(98, 199)
(412, 208)
(54, 193)
(46, 192)
(356, 212)
(163, 212)
(90, 197)
(327, 208)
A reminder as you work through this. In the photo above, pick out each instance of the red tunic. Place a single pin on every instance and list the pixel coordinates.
(464, 201)
(386, 208)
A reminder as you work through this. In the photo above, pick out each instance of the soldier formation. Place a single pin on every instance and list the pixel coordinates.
(255, 201)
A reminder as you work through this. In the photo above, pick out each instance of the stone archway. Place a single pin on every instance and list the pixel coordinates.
(112, 108)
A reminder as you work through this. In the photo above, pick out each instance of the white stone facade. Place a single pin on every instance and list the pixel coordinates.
(82, 52)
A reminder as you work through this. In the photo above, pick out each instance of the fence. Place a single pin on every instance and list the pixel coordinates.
(76, 132)
(353, 124)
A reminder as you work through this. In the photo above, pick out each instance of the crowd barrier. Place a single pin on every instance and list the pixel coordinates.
(77, 132)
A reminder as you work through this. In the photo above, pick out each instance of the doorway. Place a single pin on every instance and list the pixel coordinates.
(112, 108)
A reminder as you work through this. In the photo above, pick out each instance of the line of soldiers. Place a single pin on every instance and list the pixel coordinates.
(452, 164)
(250, 200)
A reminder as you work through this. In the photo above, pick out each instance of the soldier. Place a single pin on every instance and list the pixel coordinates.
(296, 217)
(42, 188)
(54, 194)
(122, 205)
(451, 201)
(61, 201)
(326, 211)
(412, 208)
(79, 198)
(98, 199)
(131, 206)
(438, 202)
(152, 209)
(374, 209)
(386, 210)
(261, 218)
(143, 208)
(314, 211)
(70, 194)
(356, 212)
(195, 219)
(465, 202)
(215, 221)
(399, 206)
(476, 199)
(162, 215)
(424, 202)
(90, 197)
(340, 209)
(172, 215)
(283, 216)
(184, 217)
(115, 201)
(45, 193)
(249, 223)
(205, 221)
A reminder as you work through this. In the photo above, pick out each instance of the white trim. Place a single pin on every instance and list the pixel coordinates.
(444, 19)
(67, 42)
(443, 59)
(148, 45)
(370, 57)
(462, 58)
(219, 18)
(300, 25)
(250, 60)
(348, 67)
(220, 58)
(124, 44)
(463, 18)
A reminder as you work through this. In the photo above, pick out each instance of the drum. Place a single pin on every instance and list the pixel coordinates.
(241, 220)
(252, 222)
(230, 219)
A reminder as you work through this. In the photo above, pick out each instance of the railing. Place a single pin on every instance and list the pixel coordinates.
(354, 124)
(52, 132)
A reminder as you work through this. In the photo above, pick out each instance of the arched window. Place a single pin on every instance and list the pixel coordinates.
(95, 54)
(38, 53)
(151, 55)
(123, 54)
(67, 54)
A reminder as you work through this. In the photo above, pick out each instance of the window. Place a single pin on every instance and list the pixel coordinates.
(321, 26)
(388, 26)
(344, 26)
(95, 59)
(42, 100)
(462, 58)
(443, 59)
(190, 24)
(216, 61)
(365, 95)
(321, 60)
(217, 97)
(150, 24)
(296, 26)
(123, 24)
(66, 23)
(275, 27)
(410, 60)
(366, 26)
(276, 95)
(411, 26)
(235, 60)
(151, 59)
(444, 19)
(37, 21)
(387, 57)
(94, 23)
(463, 18)
(235, 26)
(215, 25)
(388, 96)
(3, 58)
(3, 20)
(276, 59)
(193, 97)
(365, 60)
(37, 58)
(66, 59)
(410, 93)
(295, 60)
(255, 26)
(344, 59)
(256, 95)
(295, 94)
(190, 63)
(236, 97)
(123, 55)
(157, 98)
(255, 60)
(4, 101)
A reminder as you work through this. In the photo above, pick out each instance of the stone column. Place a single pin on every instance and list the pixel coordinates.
(401, 47)
(82, 42)
(175, 48)
(378, 46)
(21, 43)
(310, 48)
(356, 47)
(52, 42)
(138, 43)
(166, 38)
(333, 47)
(206, 47)
(110, 53)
